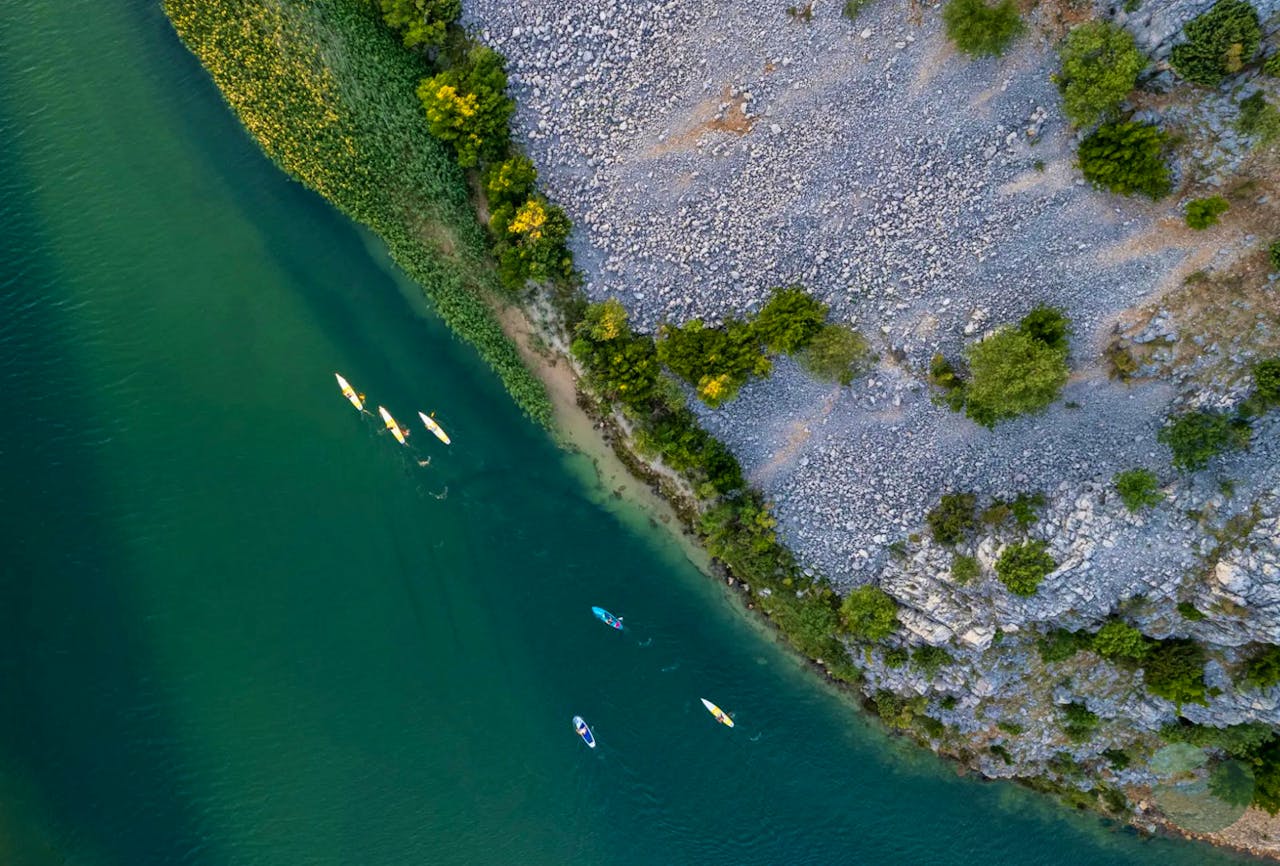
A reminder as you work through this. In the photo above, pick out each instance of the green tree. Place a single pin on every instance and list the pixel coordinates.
(1266, 776)
(420, 22)
(1048, 325)
(1119, 640)
(507, 185)
(1022, 567)
(870, 613)
(740, 533)
(1262, 669)
(1266, 383)
(837, 353)
(928, 660)
(789, 321)
(1138, 488)
(1174, 670)
(1100, 66)
(716, 361)
(1079, 722)
(1060, 645)
(619, 365)
(1258, 118)
(1012, 374)
(1232, 782)
(1273, 251)
(979, 29)
(1204, 212)
(1219, 43)
(467, 106)
(1126, 158)
(953, 518)
(1196, 437)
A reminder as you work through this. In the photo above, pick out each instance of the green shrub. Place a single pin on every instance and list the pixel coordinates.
(1239, 741)
(810, 624)
(716, 361)
(1174, 670)
(1100, 66)
(869, 612)
(1196, 437)
(896, 657)
(1204, 212)
(898, 712)
(1138, 488)
(531, 243)
(837, 353)
(1013, 729)
(467, 106)
(618, 365)
(1023, 566)
(1121, 364)
(1219, 43)
(1048, 325)
(953, 518)
(1232, 783)
(1266, 776)
(420, 22)
(508, 184)
(1262, 668)
(1126, 158)
(1266, 383)
(740, 533)
(963, 568)
(1060, 645)
(1079, 722)
(943, 375)
(1272, 66)
(1118, 758)
(789, 321)
(949, 702)
(1190, 612)
(1025, 508)
(852, 8)
(981, 30)
(1119, 640)
(1258, 118)
(928, 660)
(1012, 374)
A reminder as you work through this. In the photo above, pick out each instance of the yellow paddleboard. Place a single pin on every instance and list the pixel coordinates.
(434, 427)
(721, 716)
(349, 392)
(392, 425)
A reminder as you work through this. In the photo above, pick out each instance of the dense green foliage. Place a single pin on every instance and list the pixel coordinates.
(1196, 437)
(1262, 668)
(1266, 384)
(1266, 776)
(420, 22)
(1272, 66)
(1258, 118)
(467, 106)
(1100, 66)
(1012, 374)
(1232, 782)
(789, 321)
(979, 29)
(1079, 722)
(1021, 567)
(1219, 43)
(953, 518)
(837, 353)
(1174, 670)
(1138, 488)
(740, 533)
(1119, 640)
(1047, 325)
(1025, 508)
(928, 659)
(716, 361)
(328, 93)
(964, 569)
(870, 613)
(1273, 254)
(944, 376)
(1204, 212)
(1126, 158)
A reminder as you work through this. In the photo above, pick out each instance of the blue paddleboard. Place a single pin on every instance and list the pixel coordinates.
(607, 618)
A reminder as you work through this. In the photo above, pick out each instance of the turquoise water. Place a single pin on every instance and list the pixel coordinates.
(238, 626)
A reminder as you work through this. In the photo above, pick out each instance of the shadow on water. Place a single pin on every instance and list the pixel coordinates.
(84, 719)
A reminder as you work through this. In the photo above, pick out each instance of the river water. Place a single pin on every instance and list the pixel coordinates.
(238, 626)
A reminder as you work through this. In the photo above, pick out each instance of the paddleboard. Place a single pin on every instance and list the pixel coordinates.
(434, 427)
(583, 731)
(721, 716)
(349, 392)
(607, 618)
(392, 425)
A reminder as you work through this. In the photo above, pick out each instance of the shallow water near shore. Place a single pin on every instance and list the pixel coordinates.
(238, 626)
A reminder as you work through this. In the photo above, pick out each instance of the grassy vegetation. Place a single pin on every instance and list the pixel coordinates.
(1078, 722)
(1174, 670)
(870, 613)
(1100, 66)
(979, 29)
(328, 92)
(1259, 119)
(953, 520)
(964, 569)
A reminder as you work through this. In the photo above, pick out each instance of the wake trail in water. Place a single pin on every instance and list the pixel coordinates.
(669, 668)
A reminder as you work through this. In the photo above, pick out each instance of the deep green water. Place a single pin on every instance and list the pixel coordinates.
(236, 626)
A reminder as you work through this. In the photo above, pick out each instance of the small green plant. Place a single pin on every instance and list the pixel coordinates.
(1198, 436)
(979, 29)
(952, 520)
(837, 353)
(898, 712)
(1204, 212)
(896, 657)
(1119, 640)
(1079, 722)
(869, 612)
(1266, 384)
(1060, 645)
(1273, 251)
(1219, 43)
(1126, 157)
(1262, 669)
(1138, 488)
(1100, 66)
(1118, 758)
(1013, 729)
(928, 660)
(1121, 364)
(1047, 325)
(1272, 66)
(1174, 670)
(1190, 612)
(1025, 508)
(1258, 118)
(943, 376)
(963, 568)
(1021, 567)
(949, 702)
(790, 319)
(801, 13)
(852, 8)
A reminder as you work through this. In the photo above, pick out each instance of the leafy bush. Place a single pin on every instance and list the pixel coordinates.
(1060, 645)
(963, 568)
(716, 361)
(467, 106)
(980, 30)
(618, 364)
(1273, 251)
(1262, 669)
(789, 321)
(943, 375)
(1012, 374)
(896, 657)
(531, 245)
(1266, 776)
(928, 660)
(1174, 670)
(1118, 758)
(1100, 66)
(1196, 437)
(1138, 488)
(420, 22)
(1258, 118)
(1025, 508)
(1272, 66)
(1126, 158)
(852, 8)
(953, 518)
(1219, 43)
(1239, 741)
(740, 533)
(1023, 566)
(1266, 383)
(837, 353)
(1204, 212)
(1048, 325)
(869, 612)
(898, 712)
(1119, 640)
(1079, 722)
(1013, 729)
